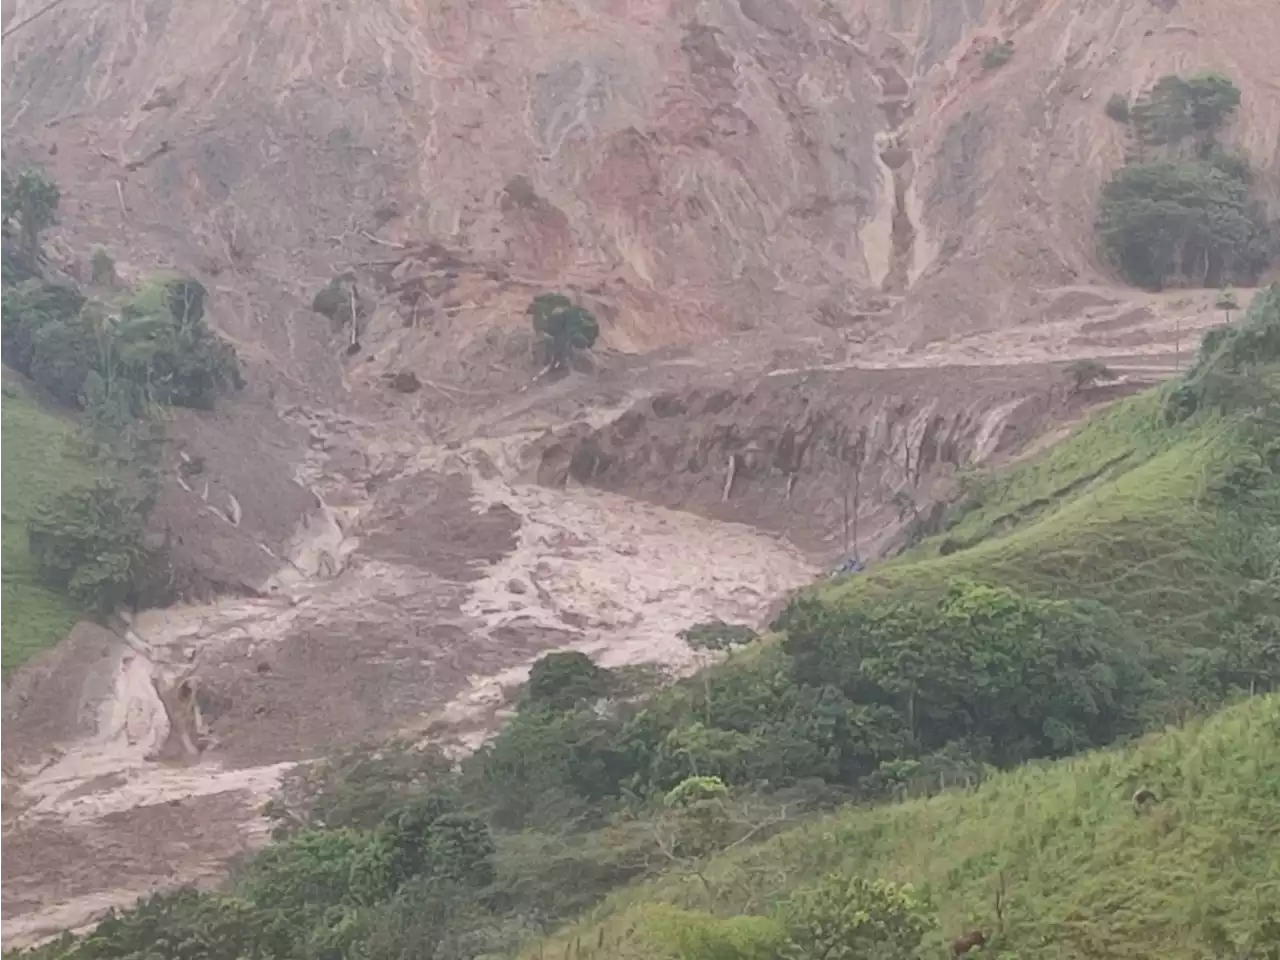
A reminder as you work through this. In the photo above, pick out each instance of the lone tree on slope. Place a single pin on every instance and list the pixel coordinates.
(30, 201)
(563, 326)
(1086, 373)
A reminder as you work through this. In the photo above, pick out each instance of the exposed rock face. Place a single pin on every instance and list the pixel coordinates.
(801, 453)
(690, 169)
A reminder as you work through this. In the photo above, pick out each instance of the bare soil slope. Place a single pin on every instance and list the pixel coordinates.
(691, 169)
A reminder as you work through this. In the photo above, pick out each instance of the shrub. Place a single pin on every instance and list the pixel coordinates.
(716, 635)
(1085, 373)
(340, 301)
(1027, 677)
(689, 935)
(185, 925)
(27, 309)
(563, 326)
(1117, 108)
(1179, 108)
(165, 347)
(425, 838)
(561, 681)
(997, 56)
(696, 820)
(31, 202)
(88, 541)
(155, 349)
(1187, 214)
(851, 918)
(102, 268)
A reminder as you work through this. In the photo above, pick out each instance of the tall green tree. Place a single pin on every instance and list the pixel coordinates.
(88, 541)
(1191, 223)
(31, 202)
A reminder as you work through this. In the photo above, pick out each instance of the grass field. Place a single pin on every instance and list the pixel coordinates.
(36, 463)
(1116, 514)
(1083, 874)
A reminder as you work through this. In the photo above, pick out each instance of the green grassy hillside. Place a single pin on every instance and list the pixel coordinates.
(37, 462)
(1123, 513)
(1083, 874)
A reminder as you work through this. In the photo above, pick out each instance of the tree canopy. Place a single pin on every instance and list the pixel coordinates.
(1177, 109)
(1183, 211)
(563, 326)
(1192, 223)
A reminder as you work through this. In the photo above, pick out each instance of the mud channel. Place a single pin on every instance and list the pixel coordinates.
(414, 597)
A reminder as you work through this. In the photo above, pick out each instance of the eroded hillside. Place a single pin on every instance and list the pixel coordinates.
(692, 170)
(786, 216)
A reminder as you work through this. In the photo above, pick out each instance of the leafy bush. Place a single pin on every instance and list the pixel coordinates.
(560, 681)
(716, 635)
(340, 301)
(162, 344)
(102, 268)
(1085, 373)
(360, 787)
(27, 309)
(852, 918)
(31, 202)
(1185, 212)
(1117, 108)
(1177, 109)
(997, 56)
(1027, 677)
(563, 326)
(184, 925)
(155, 348)
(428, 839)
(88, 542)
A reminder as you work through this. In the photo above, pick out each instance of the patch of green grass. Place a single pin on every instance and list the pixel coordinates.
(1119, 513)
(1083, 874)
(37, 463)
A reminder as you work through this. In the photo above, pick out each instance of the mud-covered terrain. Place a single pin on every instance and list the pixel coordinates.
(798, 222)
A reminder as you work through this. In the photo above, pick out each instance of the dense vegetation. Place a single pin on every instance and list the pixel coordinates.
(1051, 861)
(151, 348)
(1183, 210)
(1128, 577)
(118, 360)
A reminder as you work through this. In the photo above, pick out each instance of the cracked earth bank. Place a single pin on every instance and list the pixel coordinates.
(425, 577)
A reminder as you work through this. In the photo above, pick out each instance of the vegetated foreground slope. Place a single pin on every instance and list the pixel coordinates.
(1058, 848)
(1163, 515)
(919, 675)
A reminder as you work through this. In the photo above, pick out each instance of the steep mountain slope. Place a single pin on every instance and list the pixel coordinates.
(741, 191)
(692, 169)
